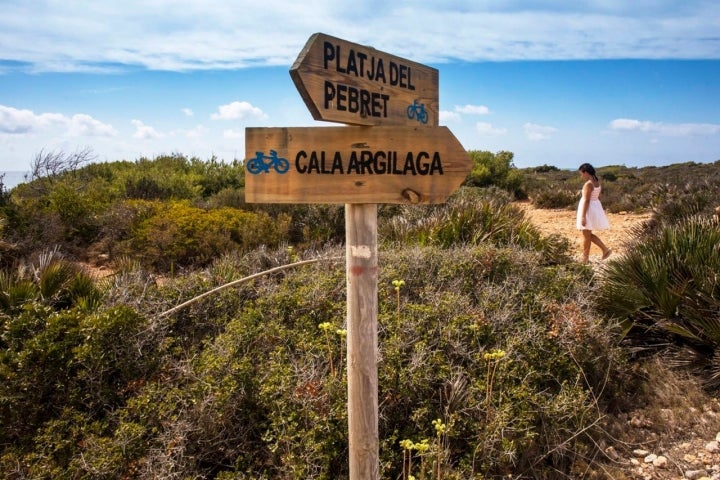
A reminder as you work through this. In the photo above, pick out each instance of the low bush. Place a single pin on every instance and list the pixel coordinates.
(555, 196)
(629, 189)
(498, 170)
(173, 235)
(488, 340)
(470, 217)
(493, 359)
(665, 288)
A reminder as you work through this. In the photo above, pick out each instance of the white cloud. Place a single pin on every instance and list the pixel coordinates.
(472, 109)
(144, 132)
(487, 130)
(536, 132)
(458, 112)
(667, 129)
(197, 132)
(82, 125)
(233, 134)
(215, 34)
(448, 116)
(188, 112)
(238, 111)
(14, 121)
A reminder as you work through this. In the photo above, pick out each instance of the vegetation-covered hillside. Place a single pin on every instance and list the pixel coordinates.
(499, 356)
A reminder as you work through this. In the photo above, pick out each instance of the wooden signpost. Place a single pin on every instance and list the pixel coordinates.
(352, 165)
(399, 156)
(357, 85)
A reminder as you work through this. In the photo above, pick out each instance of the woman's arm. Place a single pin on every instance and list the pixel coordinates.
(587, 191)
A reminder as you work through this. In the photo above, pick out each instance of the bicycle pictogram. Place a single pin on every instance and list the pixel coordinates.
(417, 110)
(259, 165)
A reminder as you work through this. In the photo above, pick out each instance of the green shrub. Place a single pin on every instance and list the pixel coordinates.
(266, 384)
(483, 324)
(629, 189)
(665, 286)
(62, 374)
(228, 197)
(248, 382)
(494, 169)
(461, 304)
(469, 217)
(36, 369)
(218, 176)
(316, 225)
(311, 225)
(64, 212)
(176, 234)
(554, 196)
(49, 279)
(546, 168)
(672, 204)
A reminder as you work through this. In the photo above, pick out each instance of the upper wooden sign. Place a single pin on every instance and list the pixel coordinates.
(385, 164)
(348, 83)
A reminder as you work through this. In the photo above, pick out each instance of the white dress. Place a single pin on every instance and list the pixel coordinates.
(595, 218)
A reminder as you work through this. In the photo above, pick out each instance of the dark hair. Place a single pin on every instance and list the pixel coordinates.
(586, 167)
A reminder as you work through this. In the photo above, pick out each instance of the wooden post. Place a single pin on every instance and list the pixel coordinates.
(362, 343)
(397, 154)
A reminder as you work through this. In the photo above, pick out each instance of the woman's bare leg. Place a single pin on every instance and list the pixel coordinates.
(590, 238)
(587, 240)
(605, 250)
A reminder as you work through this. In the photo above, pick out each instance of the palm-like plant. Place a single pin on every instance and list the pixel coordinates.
(14, 291)
(667, 290)
(51, 280)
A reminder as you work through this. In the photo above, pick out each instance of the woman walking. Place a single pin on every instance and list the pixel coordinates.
(590, 213)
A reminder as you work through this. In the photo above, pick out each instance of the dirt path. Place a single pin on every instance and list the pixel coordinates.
(562, 221)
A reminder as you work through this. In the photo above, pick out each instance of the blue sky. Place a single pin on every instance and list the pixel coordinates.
(555, 82)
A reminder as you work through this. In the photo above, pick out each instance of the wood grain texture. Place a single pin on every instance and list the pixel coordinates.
(336, 77)
(390, 164)
(362, 341)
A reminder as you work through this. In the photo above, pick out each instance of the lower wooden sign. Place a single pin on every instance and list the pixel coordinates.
(380, 164)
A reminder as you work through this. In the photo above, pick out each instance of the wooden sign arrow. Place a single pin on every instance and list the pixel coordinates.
(349, 83)
(392, 164)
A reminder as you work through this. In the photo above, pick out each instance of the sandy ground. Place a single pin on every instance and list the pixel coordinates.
(562, 222)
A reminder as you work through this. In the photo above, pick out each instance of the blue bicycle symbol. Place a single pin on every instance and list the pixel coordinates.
(417, 110)
(258, 165)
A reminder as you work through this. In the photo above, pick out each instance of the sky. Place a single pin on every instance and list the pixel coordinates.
(556, 82)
